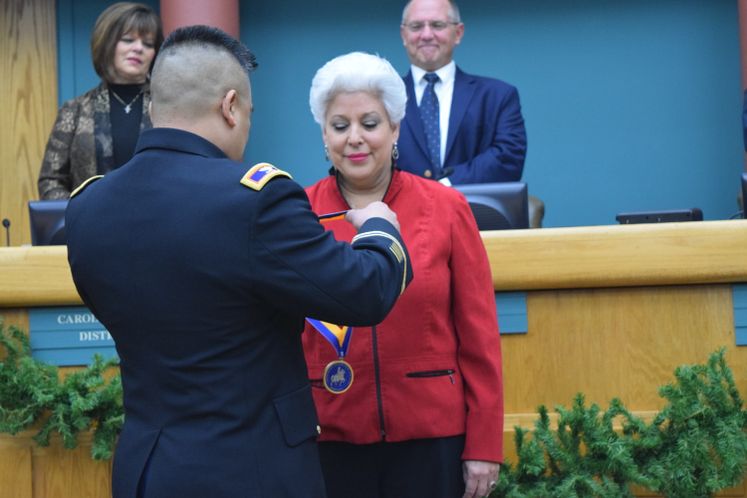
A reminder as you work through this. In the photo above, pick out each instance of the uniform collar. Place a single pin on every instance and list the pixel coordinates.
(177, 140)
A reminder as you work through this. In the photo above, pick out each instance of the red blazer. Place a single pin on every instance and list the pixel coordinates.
(432, 368)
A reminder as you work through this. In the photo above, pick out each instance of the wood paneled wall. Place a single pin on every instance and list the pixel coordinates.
(28, 99)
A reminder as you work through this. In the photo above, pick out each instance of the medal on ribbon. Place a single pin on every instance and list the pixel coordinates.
(338, 374)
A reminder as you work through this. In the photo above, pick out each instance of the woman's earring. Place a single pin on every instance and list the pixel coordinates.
(326, 152)
(395, 152)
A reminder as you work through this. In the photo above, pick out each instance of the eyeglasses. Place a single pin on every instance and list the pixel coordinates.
(418, 26)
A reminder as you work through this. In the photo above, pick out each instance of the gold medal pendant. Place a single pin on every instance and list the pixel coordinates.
(338, 376)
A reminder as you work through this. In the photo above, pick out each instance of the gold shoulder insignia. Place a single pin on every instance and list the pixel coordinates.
(261, 173)
(85, 184)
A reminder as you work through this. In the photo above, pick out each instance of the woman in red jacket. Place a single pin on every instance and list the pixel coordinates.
(412, 407)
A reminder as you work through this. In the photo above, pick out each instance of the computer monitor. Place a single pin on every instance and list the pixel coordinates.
(47, 222)
(498, 206)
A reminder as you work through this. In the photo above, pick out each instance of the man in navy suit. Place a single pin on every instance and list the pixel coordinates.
(478, 127)
(203, 273)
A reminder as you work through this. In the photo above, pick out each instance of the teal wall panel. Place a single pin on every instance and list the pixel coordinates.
(512, 312)
(629, 104)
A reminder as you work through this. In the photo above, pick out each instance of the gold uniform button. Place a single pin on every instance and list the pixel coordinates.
(427, 173)
(318, 430)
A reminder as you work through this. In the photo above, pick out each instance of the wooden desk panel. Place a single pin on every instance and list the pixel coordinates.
(551, 258)
(611, 312)
(30, 471)
(15, 467)
(36, 276)
(67, 473)
(623, 342)
(618, 255)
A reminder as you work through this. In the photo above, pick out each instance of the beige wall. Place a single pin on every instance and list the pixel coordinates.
(28, 99)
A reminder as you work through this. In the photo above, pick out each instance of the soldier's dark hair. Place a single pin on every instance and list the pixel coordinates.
(208, 36)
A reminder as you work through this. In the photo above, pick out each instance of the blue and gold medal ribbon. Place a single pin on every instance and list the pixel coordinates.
(326, 218)
(337, 335)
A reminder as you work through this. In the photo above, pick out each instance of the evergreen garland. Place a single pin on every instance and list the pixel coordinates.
(694, 447)
(31, 395)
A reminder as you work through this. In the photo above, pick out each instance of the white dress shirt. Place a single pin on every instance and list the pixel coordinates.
(444, 89)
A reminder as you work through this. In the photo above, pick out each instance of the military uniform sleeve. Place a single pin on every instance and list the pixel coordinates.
(301, 267)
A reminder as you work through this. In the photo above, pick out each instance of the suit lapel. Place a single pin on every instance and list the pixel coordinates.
(464, 89)
(412, 114)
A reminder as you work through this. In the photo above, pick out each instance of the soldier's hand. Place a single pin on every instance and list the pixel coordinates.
(357, 217)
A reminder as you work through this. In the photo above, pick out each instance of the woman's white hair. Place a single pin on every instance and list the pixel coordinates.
(358, 72)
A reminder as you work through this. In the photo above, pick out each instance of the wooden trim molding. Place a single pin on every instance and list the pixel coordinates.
(548, 258)
(36, 276)
(619, 255)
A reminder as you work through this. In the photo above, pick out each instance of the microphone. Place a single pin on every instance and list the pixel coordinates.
(6, 224)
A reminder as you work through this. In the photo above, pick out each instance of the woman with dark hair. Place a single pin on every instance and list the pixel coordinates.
(96, 132)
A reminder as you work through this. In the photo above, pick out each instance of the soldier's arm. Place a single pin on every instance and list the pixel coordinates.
(302, 267)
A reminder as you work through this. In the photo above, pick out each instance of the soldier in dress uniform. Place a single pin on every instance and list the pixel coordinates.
(203, 273)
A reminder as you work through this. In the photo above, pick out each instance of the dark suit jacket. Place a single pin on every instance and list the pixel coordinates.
(486, 142)
(204, 284)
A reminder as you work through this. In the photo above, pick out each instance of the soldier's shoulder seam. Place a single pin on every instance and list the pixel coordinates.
(83, 185)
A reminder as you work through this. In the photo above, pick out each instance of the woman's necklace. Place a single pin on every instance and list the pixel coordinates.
(127, 107)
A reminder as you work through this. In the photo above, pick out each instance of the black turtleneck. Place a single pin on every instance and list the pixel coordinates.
(125, 126)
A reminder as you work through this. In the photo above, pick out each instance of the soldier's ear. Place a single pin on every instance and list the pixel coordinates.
(228, 107)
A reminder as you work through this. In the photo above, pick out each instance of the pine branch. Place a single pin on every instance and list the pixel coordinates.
(31, 395)
(694, 447)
